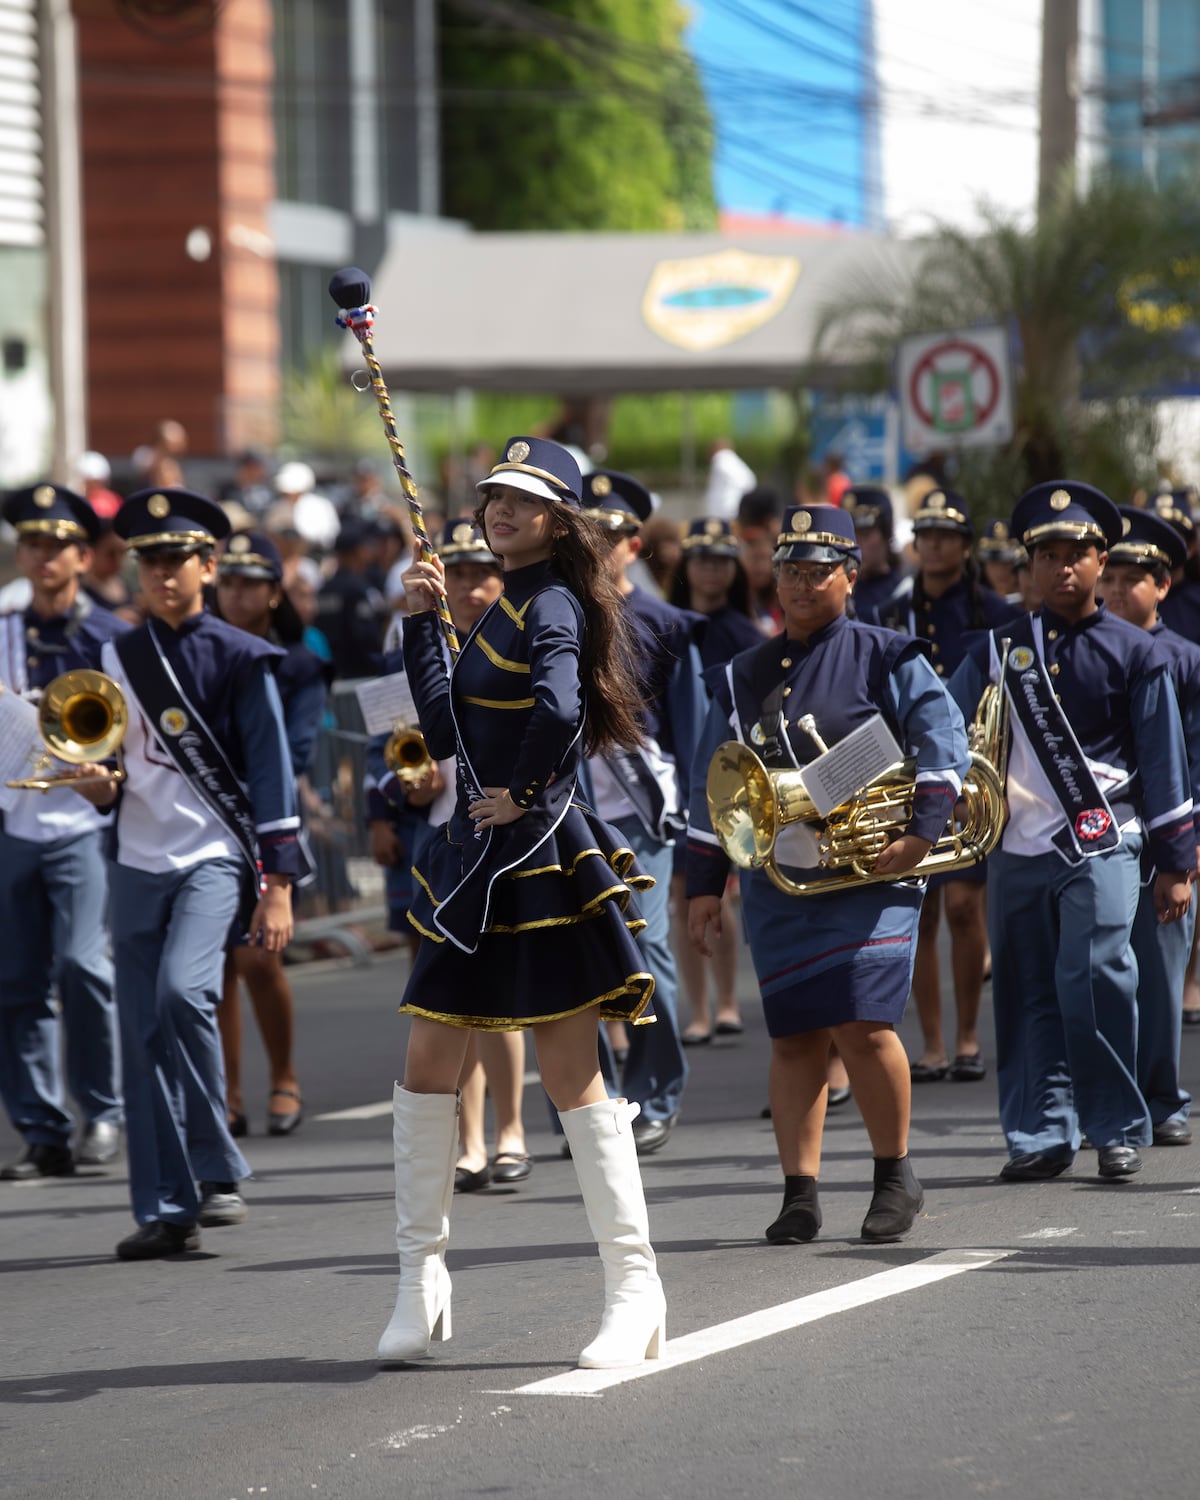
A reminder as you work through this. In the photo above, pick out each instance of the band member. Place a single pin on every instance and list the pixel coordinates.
(250, 595)
(1097, 769)
(1180, 610)
(997, 555)
(403, 816)
(524, 901)
(206, 836)
(940, 603)
(643, 793)
(883, 570)
(53, 884)
(836, 967)
(1136, 581)
(712, 583)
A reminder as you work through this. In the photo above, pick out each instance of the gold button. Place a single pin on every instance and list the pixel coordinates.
(35, 661)
(1058, 697)
(931, 628)
(941, 671)
(1052, 635)
(1054, 670)
(928, 606)
(934, 648)
(786, 662)
(786, 691)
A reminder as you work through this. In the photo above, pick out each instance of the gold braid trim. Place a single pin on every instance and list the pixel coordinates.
(633, 984)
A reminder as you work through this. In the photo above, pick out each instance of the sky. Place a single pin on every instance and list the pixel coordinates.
(956, 114)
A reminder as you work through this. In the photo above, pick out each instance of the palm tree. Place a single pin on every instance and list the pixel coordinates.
(1095, 294)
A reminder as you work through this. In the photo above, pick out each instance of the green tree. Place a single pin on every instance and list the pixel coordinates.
(1098, 292)
(573, 114)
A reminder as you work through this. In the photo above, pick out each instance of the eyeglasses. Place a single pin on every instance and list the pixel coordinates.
(807, 575)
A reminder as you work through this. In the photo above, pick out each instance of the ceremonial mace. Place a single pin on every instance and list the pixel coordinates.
(350, 288)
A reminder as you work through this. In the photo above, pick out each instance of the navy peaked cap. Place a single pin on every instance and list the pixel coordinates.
(1065, 510)
(944, 510)
(710, 536)
(616, 500)
(1178, 507)
(539, 467)
(170, 517)
(1147, 539)
(52, 510)
(463, 542)
(868, 505)
(816, 533)
(997, 541)
(250, 554)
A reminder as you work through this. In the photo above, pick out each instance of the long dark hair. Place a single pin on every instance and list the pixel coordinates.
(607, 672)
(976, 618)
(737, 598)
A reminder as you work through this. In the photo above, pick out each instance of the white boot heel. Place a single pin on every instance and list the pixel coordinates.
(633, 1328)
(425, 1142)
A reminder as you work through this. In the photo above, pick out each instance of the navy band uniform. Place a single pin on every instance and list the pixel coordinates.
(1062, 894)
(54, 887)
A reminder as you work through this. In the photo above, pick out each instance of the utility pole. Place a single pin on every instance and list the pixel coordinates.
(1059, 93)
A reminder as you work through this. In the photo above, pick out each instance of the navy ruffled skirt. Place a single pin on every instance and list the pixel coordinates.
(560, 936)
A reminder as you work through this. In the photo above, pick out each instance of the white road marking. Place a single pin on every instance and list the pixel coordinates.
(384, 1107)
(1049, 1233)
(765, 1324)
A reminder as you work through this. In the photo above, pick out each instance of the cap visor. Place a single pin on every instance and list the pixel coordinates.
(530, 483)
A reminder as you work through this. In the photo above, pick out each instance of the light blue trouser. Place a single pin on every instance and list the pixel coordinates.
(656, 1069)
(52, 913)
(1162, 955)
(1064, 988)
(169, 937)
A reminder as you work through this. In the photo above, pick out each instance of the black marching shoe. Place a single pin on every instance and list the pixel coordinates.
(1119, 1162)
(650, 1135)
(511, 1166)
(156, 1239)
(99, 1143)
(1035, 1166)
(40, 1161)
(800, 1217)
(221, 1204)
(897, 1200)
(466, 1181)
(1172, 1133)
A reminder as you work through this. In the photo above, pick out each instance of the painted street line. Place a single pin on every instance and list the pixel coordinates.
(771, 1320)
(384, 1107)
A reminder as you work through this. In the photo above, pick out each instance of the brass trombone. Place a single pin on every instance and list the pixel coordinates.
(751, 804)
(82, 717)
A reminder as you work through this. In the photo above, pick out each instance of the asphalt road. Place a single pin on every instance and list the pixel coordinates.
(1065, 1366)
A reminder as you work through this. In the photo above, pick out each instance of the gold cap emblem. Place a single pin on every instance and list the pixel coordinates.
(43, 496)
(1164, 503)
(159, 507)
(713, 528)
(462, 534)
(803, 521)
(1000, 531)
(1126, 525)
(601, 485)
(1059, 500)
(518, 452)
(849, 501)
(239, 543)
(935, 501)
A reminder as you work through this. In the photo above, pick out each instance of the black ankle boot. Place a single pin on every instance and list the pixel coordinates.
(800, 1217)
(897, 1200)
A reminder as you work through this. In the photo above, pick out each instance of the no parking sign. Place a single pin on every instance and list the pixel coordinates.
(955, 390)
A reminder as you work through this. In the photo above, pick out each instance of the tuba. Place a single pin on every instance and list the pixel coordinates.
(82, 717)
(751, 805)
(406, 755)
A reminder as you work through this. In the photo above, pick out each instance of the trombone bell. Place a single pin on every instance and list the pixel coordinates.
(82, 717)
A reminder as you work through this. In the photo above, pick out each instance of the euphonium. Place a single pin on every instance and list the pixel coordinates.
(82, 717)
(751, 806)
(406, 755)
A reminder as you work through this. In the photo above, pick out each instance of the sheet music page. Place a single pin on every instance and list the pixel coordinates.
(21, 746)
(848, 767)
(386, 702)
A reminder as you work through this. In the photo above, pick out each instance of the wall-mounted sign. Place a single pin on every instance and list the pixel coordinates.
(707, 301)
(955, 390)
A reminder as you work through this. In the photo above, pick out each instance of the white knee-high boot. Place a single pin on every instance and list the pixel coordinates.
(634, 1326)
(425, 1143)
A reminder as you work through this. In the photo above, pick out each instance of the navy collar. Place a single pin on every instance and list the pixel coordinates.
(1057, 622)
(793, 644)
(522, 583)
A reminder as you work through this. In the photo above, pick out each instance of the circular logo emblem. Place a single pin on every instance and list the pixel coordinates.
(1059, 500)
(239, 543)
(43, 496)
(173, 721)
(757, 735)
(518, 452)
(936, 501)
(1020, 659)
(1092, 824)
(462, 534)
(714, 528)
(803, 521)
(601, 485)
(1000, 531)
(1126, 525)
(159, 507)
